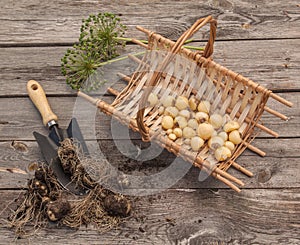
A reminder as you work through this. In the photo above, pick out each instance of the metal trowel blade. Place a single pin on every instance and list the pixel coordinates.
(49, 151)
(74, 132)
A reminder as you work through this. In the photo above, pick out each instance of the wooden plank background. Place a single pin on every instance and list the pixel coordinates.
(259, 39)
(58, 22)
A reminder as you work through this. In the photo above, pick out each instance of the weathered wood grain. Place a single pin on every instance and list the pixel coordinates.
(22, 118)
(277, 70)
(59, 21)
(259, 39)
(258, 216)
(279, 169)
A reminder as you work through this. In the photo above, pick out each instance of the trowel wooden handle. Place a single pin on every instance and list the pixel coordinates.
(38, 97)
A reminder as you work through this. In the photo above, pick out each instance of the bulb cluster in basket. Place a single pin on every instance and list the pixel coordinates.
(192, 123)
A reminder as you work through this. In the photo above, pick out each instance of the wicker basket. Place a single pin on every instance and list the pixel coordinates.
(168, 68)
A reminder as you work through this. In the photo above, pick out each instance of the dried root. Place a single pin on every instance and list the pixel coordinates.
(72, 162)
(90, 210)
(58, 209)
(42, 189)
(45, 200)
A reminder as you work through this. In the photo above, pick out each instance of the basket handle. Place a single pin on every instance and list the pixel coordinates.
(175, 49)
(208, 51)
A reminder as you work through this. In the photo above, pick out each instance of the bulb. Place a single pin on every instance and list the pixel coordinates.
(180, 121)
(201, 117)
(169, 131)
(205, 130)
(152, 99)
(223, 135)
(215, 133)
(235, 137)
(188, 132)
(230, 126)
(215, 142)
(196, 143)
(229, 145)
(171, 111)
(167, 122)
(193, 123)
(222, 153)
(161, 110)
(178, 132)
(168, 101)
(216, 120)
(204, 106)
(184, 113)
(181, 103)
(193, 103)
(172, 137)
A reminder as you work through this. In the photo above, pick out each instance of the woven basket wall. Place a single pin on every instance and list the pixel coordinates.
(169, 69)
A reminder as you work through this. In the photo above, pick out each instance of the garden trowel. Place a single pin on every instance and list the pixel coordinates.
(49, 144)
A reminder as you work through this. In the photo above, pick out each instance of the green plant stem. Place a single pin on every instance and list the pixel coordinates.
(127, 39)
(139, 53)
(189, 41)
(193, 47)
(119, 59)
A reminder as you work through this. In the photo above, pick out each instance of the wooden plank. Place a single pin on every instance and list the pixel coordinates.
(44, 66)
(280, 168)
(59, 21)
(22, 118)
(258, 216)
(190, 212)
(256, 60)
(273, 64)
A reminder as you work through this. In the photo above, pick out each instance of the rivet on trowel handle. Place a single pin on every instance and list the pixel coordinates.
(38, 97)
